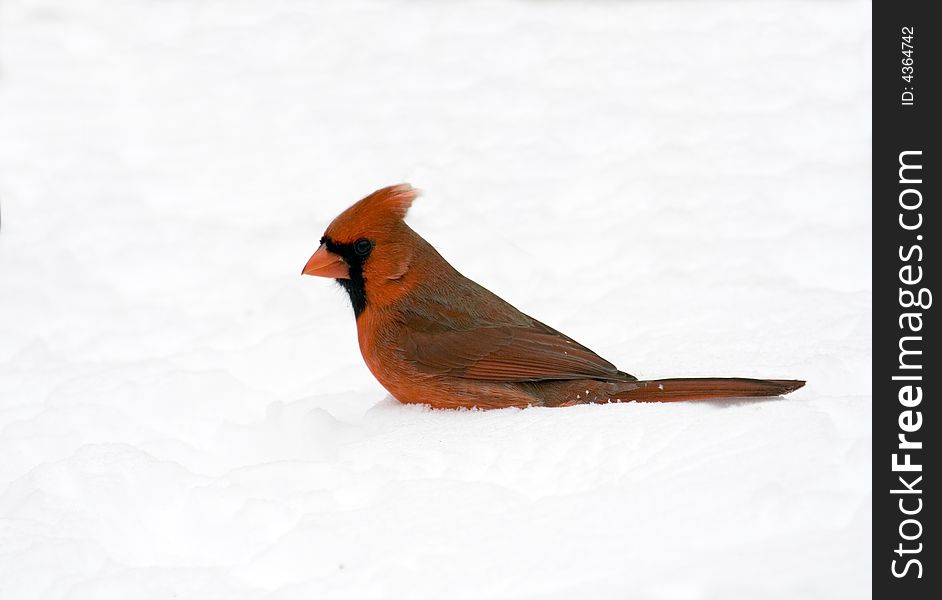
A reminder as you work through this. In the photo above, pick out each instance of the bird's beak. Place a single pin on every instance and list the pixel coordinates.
(325, 263)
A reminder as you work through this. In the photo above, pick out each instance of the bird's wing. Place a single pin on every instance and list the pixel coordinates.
(504, 353)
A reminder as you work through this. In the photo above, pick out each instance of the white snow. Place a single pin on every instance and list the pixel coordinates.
(683, 187)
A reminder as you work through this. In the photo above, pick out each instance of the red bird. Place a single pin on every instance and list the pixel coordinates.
(432, 336)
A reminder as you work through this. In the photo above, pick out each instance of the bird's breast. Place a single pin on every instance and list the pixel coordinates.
(377, 333)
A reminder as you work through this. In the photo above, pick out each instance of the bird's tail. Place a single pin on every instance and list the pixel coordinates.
(676, 390)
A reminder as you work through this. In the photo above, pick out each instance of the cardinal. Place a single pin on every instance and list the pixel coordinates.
(432, 336)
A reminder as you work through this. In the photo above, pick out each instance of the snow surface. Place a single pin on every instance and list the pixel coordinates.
(684, 187)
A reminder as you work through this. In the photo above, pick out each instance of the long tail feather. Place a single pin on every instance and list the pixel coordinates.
(675, 390)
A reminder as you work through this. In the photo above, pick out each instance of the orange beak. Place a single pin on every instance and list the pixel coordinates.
(324, 263)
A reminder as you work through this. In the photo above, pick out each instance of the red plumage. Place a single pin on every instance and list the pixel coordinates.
(432, 336)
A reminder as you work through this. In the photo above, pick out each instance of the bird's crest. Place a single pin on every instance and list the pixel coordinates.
(379, 210)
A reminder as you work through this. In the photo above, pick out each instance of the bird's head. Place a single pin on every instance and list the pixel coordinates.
(368, 246)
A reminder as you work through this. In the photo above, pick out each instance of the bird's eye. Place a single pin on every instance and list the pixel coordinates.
(362, 246)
